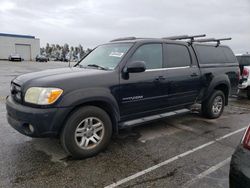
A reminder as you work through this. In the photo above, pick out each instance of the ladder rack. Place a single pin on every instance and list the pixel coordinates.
(192, 38)
(213, 40)
(124, 38)
(182, 37)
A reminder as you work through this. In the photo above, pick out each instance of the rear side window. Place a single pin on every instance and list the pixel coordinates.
(214, 55)
(151, 54)
(177, 56)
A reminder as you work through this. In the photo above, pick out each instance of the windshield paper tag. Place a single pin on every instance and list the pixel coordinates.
(116, 54)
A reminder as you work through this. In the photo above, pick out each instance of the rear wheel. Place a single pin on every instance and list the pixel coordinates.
(87, 132)
(213, 107)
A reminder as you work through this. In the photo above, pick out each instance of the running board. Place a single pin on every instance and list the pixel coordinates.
(152, 118)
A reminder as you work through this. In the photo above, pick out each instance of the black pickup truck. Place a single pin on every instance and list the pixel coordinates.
(123, 83)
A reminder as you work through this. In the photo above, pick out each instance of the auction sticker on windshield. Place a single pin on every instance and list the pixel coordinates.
(116, 54)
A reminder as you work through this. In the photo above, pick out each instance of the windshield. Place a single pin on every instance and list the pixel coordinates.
(106, 56)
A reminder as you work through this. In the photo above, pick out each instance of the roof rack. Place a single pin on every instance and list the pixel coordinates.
(213, 40)
(129, 38)
(124, 38)
(182, 37)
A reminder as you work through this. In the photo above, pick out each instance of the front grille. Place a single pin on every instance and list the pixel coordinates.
(16, 92)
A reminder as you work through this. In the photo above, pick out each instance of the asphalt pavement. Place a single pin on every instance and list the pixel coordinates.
(180, 151)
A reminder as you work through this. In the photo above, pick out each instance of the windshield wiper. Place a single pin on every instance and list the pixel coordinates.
(97, 66)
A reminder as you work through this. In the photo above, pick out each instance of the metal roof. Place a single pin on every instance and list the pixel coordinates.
(17, 36)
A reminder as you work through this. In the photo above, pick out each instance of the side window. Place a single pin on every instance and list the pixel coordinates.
(212, 54)
(151, 54)
(177, 56)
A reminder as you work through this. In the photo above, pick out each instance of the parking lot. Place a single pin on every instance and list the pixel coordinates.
(179, 151)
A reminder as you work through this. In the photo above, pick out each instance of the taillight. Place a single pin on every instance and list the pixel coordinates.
(245, 73)
(238, 74)
(246, 139)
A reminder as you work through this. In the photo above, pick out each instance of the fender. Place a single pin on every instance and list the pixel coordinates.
(211, 82)
(87, 95)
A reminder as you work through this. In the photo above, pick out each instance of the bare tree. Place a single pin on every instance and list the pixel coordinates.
(64, 52)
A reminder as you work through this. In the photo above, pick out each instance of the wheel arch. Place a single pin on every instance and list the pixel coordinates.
(222, 83)
(100, 103)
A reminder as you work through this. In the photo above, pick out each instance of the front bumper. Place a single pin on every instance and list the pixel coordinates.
(46, 122)
(15, 59)
(239, 176)
(243, 85)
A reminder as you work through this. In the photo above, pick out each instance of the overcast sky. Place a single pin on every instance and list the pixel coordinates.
(91, 22)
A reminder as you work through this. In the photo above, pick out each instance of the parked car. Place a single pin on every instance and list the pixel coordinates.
(239, 176)
(62, 59)
(15, 57)
(123, 83)
(244, 83)
(41, 58)
(52, 58)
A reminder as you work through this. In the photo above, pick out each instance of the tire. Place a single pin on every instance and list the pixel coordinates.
(210, 109)
(248, 93)
(78, 133)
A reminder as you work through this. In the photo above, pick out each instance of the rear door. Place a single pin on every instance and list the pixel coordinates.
(182, 75)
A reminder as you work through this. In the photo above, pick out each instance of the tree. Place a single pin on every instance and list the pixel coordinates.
(53, 51)
(48, 49)
(42, 51)
(58, 47)
(81, 52)
(88, 50)
(65, 51)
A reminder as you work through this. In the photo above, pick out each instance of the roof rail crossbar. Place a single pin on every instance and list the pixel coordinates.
(124, 38)
(181, 37)
(213, 40)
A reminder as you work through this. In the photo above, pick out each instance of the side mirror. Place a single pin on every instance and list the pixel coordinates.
(136, 67)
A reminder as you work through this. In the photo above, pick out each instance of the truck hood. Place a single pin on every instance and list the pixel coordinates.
(55, 77)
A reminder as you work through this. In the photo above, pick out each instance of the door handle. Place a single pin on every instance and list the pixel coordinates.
(160, 78)
(194, 74)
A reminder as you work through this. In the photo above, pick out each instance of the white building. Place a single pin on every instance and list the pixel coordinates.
(25, 45)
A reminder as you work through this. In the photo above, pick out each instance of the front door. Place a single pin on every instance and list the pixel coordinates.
(142, 93)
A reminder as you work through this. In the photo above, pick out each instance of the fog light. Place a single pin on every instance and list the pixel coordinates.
(31, 128)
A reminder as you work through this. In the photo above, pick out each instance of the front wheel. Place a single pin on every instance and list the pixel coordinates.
(213, 107)
(87, 132)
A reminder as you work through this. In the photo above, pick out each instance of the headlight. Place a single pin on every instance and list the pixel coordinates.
(42, 96)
